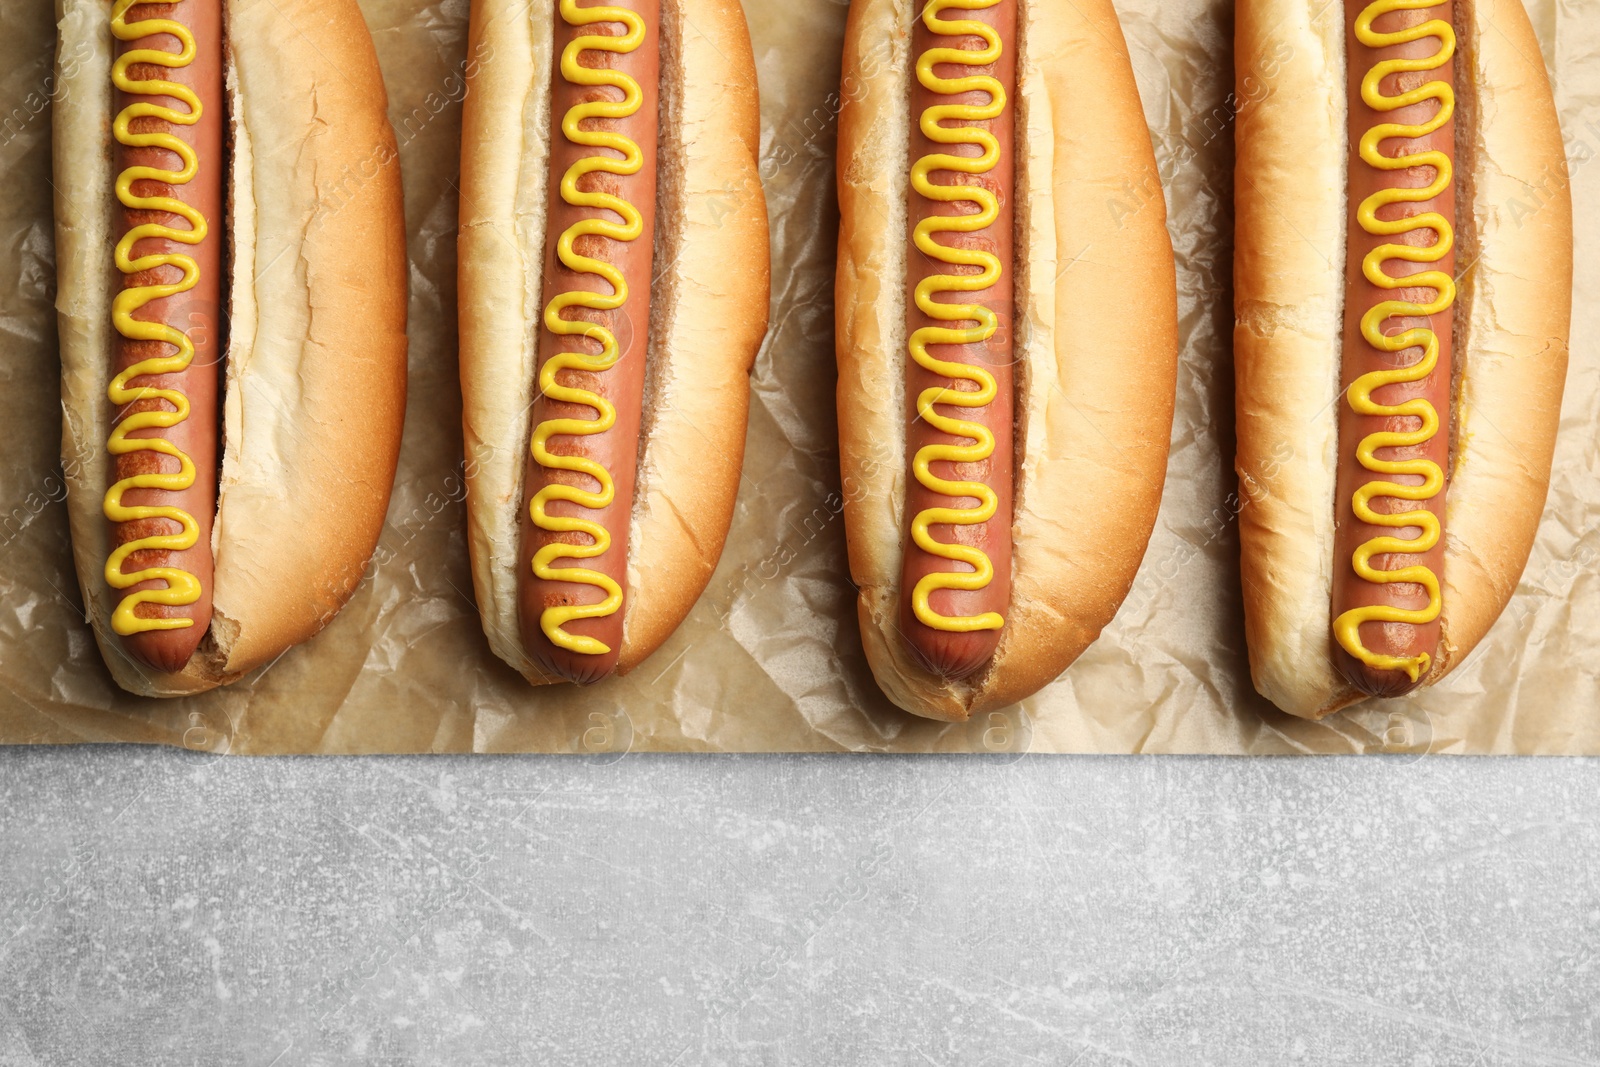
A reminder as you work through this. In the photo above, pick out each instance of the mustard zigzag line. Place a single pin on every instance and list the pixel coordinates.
(982, 446)
(1347, 625)
(182, 587)
(553, 620)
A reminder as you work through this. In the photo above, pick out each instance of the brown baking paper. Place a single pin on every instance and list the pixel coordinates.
(770, 659)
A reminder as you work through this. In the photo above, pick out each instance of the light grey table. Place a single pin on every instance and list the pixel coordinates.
(159, 907)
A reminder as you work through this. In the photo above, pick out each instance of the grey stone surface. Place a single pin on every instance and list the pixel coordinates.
(158, 907)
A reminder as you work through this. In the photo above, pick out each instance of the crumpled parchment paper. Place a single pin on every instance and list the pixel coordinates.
(770, 659)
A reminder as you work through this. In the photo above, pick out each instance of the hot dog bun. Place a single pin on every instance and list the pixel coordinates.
(1096, 344)
(708, 317)
(315, 386)
(1511, 321)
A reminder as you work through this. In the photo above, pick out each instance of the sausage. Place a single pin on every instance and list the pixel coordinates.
(956, 576)
(581, 465)
(1396, 405)
(167, 316)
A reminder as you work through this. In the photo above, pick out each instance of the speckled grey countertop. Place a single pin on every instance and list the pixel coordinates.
(158, 907)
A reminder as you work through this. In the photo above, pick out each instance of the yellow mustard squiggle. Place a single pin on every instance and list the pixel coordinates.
(553, 619)
(1347, 625)
(982, 446)
(182, 587)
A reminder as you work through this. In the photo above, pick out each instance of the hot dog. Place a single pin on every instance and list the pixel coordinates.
(605, 410)
(1367, 395)
(163, 438)
(957, 570)
(975, 393)
(579, 475)
(1394, 424)
(232, 413)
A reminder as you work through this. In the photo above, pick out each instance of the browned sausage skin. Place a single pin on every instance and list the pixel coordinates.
(580, 472)
(167, 315)
(956, 577)
(1394, 428)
